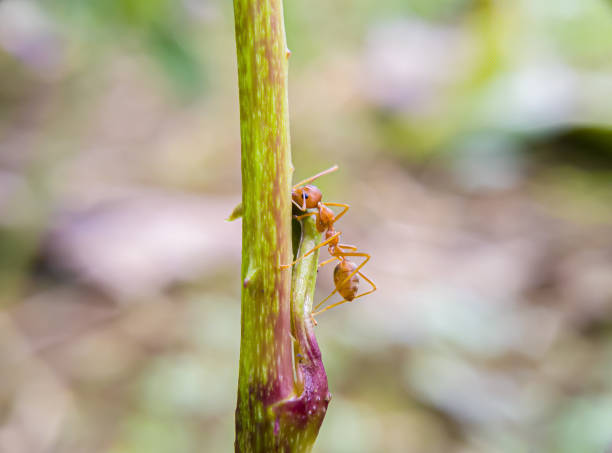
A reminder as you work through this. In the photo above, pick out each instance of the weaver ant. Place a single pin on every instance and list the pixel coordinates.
(306, 196)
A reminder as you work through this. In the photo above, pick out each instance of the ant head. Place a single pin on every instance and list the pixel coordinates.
(308, 196)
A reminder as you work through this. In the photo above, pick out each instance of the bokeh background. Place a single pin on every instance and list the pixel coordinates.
(474, 140)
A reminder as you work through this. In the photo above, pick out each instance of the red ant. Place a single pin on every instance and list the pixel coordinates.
(306, 196)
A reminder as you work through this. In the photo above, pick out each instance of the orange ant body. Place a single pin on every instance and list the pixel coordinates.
(347, 283)
(306, 196)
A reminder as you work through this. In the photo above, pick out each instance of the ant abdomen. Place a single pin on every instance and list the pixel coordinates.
(347, 288)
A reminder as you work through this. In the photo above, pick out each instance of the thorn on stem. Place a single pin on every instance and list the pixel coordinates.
(249, 276)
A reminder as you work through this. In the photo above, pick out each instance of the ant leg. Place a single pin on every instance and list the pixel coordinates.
(368, 292)
(326, 299)
(340, 205)
(314, 322)
(301, 208)
(303, 216)
(345, 301)
(318, 175)
(325, 242)
(343, 246)
(335, 257)
(323, 263)
(329, 306)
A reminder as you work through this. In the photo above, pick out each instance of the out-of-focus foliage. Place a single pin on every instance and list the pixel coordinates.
(163, 29)
(473, 139)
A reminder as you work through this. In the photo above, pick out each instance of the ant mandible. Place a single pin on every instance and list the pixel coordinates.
(306, 196)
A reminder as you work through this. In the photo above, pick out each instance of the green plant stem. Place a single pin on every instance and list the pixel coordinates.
(311, 380)
(273, 412)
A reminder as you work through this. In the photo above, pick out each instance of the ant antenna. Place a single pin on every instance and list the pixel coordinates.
(318, 175)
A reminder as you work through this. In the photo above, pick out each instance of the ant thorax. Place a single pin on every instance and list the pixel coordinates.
(325, 219)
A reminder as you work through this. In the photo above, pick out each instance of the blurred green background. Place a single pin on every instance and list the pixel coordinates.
(474, 140)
